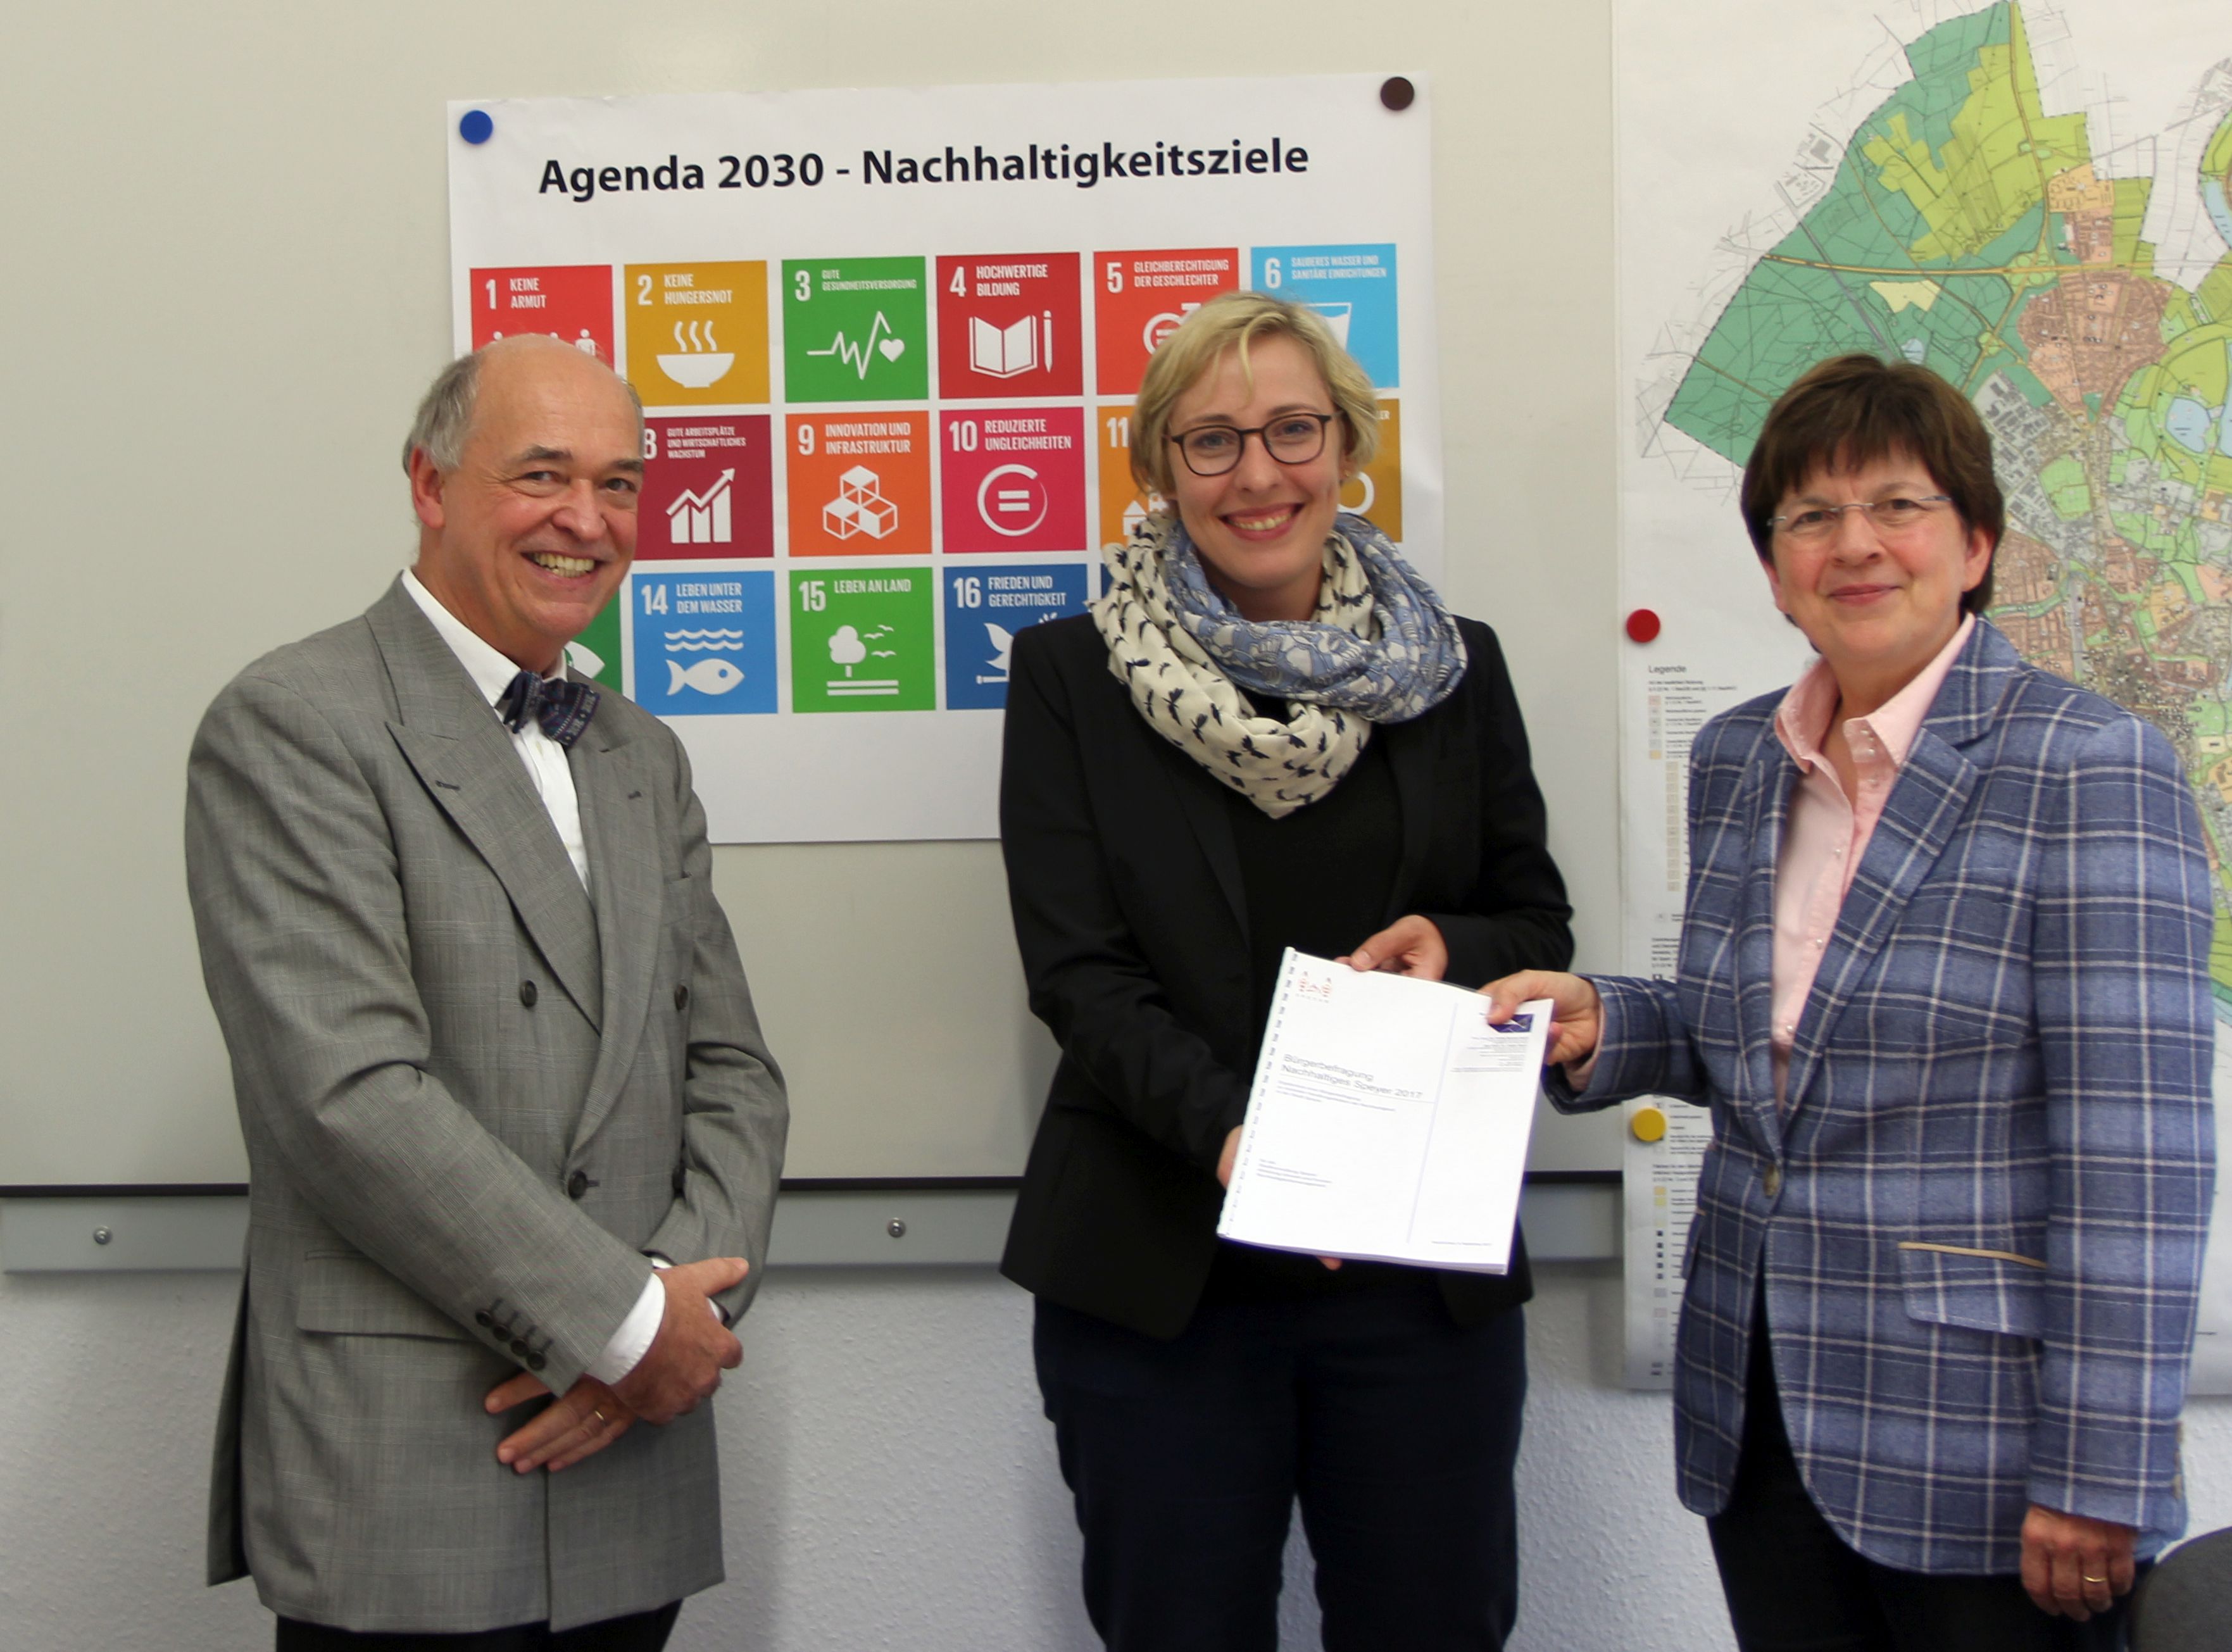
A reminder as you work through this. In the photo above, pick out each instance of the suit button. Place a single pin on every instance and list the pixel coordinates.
(681, 998)
(519, 1348)
(577, 1184)
(1772, 1181)
(483, 1320)
(526, 994)
(535, 1361)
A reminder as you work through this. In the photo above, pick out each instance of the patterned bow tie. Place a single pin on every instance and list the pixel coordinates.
(562, 708)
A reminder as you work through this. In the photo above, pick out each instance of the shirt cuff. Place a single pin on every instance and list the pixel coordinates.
(633, 1339)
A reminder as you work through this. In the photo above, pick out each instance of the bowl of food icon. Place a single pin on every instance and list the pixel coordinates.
(697, 372)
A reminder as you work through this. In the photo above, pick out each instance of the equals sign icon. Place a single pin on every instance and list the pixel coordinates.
(1015, 500)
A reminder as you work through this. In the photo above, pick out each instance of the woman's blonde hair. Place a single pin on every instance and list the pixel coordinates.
(1234, 321)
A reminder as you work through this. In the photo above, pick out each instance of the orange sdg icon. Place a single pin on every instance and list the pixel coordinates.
(696, 333)
(1375, 493)
(860, 483)
(1122, 503)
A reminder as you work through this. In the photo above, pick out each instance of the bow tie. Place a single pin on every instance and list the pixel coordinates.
(563, 708)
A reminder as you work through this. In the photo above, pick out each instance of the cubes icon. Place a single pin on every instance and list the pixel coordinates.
(858, 507)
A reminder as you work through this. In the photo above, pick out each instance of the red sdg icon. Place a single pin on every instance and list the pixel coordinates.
(708, 487)
(1014, 479)
(1012, 500)
(1008, 325)
(569, 301)
(1139, 298)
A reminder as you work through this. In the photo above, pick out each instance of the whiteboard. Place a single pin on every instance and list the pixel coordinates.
(228, 285)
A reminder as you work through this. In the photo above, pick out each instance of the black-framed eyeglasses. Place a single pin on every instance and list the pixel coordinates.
(1291, 438)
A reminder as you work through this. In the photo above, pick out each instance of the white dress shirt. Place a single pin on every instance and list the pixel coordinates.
(545, 759)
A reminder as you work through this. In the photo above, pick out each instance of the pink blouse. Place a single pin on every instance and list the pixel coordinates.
(1826, 832)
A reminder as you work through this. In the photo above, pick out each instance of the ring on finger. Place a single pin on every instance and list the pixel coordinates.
(2083, 1578)
(600, 1416)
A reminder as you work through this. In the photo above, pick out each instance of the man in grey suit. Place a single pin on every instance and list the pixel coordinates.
(512, 1129)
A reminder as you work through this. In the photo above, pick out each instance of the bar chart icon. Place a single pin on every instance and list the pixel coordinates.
(703, 518)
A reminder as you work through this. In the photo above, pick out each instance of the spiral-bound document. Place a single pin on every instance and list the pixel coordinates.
(1388, 1121)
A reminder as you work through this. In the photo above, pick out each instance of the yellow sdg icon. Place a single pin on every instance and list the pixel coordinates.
(1647, 1125)
(696, 333)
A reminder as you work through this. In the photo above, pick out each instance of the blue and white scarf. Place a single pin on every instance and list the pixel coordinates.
(1381, 648)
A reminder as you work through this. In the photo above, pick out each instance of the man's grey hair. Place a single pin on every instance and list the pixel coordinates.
(445, 415)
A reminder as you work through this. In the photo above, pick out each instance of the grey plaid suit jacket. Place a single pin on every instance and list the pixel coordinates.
(472, 1104)
(1979, 1218)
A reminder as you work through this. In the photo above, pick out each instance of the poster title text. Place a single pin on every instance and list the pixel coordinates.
(1081, 166)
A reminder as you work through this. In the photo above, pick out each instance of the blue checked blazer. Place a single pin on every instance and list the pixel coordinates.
(1979, 1218)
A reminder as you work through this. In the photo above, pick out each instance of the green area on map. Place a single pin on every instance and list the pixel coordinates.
(1968, 229)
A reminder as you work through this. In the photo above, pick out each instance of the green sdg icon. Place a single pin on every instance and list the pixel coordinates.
(853, 330)
(861, 641)
(596, 652)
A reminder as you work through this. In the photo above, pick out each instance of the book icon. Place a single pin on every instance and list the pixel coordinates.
(1004, 351)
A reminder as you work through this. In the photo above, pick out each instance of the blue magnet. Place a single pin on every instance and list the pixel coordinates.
(475, 128)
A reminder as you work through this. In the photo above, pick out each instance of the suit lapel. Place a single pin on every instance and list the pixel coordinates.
(466, 761)
(1927, 803)
(1766, 803)
(620, 824)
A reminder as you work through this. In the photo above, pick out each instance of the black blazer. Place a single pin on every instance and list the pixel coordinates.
(1129, 910)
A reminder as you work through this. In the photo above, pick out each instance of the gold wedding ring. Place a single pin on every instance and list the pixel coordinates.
(600, 1416)
(2082, 1578)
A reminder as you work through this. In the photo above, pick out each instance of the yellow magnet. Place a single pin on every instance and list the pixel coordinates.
(1648, 1124)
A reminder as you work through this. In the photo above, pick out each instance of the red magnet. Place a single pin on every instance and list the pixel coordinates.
(1643, 626)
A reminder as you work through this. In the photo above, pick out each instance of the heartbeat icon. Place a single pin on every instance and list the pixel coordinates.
(857, 356)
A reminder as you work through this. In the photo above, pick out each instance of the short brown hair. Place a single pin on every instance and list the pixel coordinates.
(1233, 321)
(1854, 410)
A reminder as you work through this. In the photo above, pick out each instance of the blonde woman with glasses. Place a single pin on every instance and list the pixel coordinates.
(1269, 732)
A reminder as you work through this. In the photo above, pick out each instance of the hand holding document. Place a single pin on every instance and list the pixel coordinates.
(1388, 1121)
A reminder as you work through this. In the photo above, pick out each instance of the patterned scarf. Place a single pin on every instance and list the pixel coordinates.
(1381, 648)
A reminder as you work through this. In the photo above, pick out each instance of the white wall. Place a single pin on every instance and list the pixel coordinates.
(888, 1479)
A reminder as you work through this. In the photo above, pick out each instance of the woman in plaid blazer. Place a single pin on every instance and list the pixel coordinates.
(1943, 982)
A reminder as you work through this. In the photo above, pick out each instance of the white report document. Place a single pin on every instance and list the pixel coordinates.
(1388, 1120)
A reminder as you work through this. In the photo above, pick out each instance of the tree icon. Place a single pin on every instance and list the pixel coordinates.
(846, 648)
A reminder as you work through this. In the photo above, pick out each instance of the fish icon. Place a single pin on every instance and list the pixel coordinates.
(707, 677)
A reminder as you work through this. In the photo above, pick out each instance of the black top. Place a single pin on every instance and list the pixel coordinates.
(1317, 881)
(1139, 889)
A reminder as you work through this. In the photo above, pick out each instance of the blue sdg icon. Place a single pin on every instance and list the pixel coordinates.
(704, 643)
(1352, 288)
(985, 607)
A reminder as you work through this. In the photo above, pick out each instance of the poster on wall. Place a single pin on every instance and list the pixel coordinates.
(887, 343)
(2030, 199)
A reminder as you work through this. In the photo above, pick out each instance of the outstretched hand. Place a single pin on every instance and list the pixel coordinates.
(1408, 946)
(1576, 1012)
